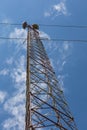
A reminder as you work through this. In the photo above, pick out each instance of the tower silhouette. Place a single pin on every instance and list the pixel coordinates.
(46, 107)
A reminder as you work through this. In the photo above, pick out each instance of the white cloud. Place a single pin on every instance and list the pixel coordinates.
(4, 72)
(2, 96)
(15, 123)
(57, 9)
(65, 50)
(60, 8)
(47, 14)
(44, 35)
(18, 33)
(66, 46)
(9, 61)
(16, 108)
(21, 34)
(61, 79)
(19, 73)
(15, 105)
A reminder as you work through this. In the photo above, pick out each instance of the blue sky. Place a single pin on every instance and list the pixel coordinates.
(69, 59)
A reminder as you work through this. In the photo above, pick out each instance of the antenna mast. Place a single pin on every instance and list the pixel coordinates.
(46, 107)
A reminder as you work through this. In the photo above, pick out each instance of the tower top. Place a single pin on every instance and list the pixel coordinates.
(34, 26)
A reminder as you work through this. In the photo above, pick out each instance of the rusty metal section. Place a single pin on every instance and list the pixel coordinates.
(46, 107)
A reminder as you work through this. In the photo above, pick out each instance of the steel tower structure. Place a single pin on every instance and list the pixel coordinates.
(46, 107)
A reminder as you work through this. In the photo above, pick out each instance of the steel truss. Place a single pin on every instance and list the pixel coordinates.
(46, 107)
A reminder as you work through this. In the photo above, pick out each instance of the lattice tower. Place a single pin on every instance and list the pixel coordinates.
(46, 107)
